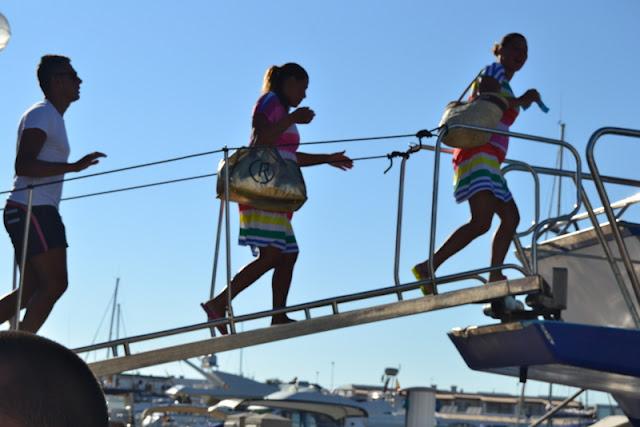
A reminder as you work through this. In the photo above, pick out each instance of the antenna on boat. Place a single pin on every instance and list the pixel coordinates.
(560, 164)
(333, 365)
(557, 180)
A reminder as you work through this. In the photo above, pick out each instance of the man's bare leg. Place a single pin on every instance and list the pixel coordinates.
(8, 302)
(50, 270)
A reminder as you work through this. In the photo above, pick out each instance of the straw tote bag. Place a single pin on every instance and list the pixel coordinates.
(260, 177)
(484, 111)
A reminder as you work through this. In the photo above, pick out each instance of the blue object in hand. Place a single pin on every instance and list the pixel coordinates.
(541, 105)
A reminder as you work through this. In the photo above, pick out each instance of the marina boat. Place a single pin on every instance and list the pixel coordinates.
(352, 405)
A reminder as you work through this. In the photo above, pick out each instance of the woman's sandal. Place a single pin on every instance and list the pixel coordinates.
(214, 315)
(427, 289)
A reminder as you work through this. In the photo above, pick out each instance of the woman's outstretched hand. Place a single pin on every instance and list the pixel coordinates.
(340, 161)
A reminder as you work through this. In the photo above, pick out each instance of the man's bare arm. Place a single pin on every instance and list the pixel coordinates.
(27, 163)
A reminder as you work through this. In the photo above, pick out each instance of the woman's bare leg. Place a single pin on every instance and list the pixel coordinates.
(509, 220)
(50, 269)
(267, 259)
(482, 205)
(281, 283)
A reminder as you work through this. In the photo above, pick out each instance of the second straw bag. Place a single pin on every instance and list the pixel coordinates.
(260, 177)
(484, 111)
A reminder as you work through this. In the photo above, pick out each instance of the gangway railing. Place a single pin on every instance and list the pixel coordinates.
(511, 165)
(531, 281)
(332, 303)
(538, 227)
(591, 213)
(606, 204)
(398, 287)
(621, 205)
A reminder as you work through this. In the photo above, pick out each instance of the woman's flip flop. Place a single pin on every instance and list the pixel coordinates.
(214, 315)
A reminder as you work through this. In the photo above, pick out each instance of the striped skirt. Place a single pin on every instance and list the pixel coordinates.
(479, 171)
(259, 229)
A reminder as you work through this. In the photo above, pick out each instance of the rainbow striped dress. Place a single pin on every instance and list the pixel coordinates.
(478, 169)
(259, 228)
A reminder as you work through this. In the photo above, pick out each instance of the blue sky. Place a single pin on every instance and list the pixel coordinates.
(164, 78)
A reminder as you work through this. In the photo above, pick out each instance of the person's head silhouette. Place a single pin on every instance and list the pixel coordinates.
(44, 384)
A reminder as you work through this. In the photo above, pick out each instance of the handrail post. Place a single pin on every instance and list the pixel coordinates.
(518, 165)
(606, 204)
(23, 258)
(538, 230)
(216, 252)
(14, 286)
(522, 166)
(232, 325)
(396, 265)
(434, 207)
(525, 262)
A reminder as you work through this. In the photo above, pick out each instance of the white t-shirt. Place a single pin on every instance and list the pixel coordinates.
(44, 116)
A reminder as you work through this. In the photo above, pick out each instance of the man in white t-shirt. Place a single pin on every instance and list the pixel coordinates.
(41, 162)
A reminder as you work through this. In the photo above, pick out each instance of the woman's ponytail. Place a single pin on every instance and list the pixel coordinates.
(271, 78)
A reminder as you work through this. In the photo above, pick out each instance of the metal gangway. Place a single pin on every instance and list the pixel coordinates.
(125, 357)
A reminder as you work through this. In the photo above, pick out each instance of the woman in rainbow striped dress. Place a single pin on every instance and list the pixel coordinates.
(269, 234)
(477, 177)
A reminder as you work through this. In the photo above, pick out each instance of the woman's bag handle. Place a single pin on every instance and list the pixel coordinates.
(469, 86)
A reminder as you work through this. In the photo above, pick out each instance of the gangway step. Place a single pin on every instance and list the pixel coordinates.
(456, 298)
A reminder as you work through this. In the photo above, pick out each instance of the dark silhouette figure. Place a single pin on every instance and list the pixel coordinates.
(43, 384)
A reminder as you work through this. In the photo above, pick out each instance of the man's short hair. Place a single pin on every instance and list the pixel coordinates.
(47, 385)
(48, 67)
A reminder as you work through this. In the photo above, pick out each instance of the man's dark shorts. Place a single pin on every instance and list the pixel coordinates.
(46, 230)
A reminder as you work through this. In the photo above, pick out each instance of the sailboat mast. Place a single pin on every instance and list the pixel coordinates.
(113, 312)
(118, 314)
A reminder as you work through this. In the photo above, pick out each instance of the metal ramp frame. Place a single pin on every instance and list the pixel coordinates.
(531, 283)
(478, 294)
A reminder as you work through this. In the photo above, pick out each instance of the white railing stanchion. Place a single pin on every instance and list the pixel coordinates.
(434, 207)
(396, 264)
(232, 325)
(216, 252)
(23, 258)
